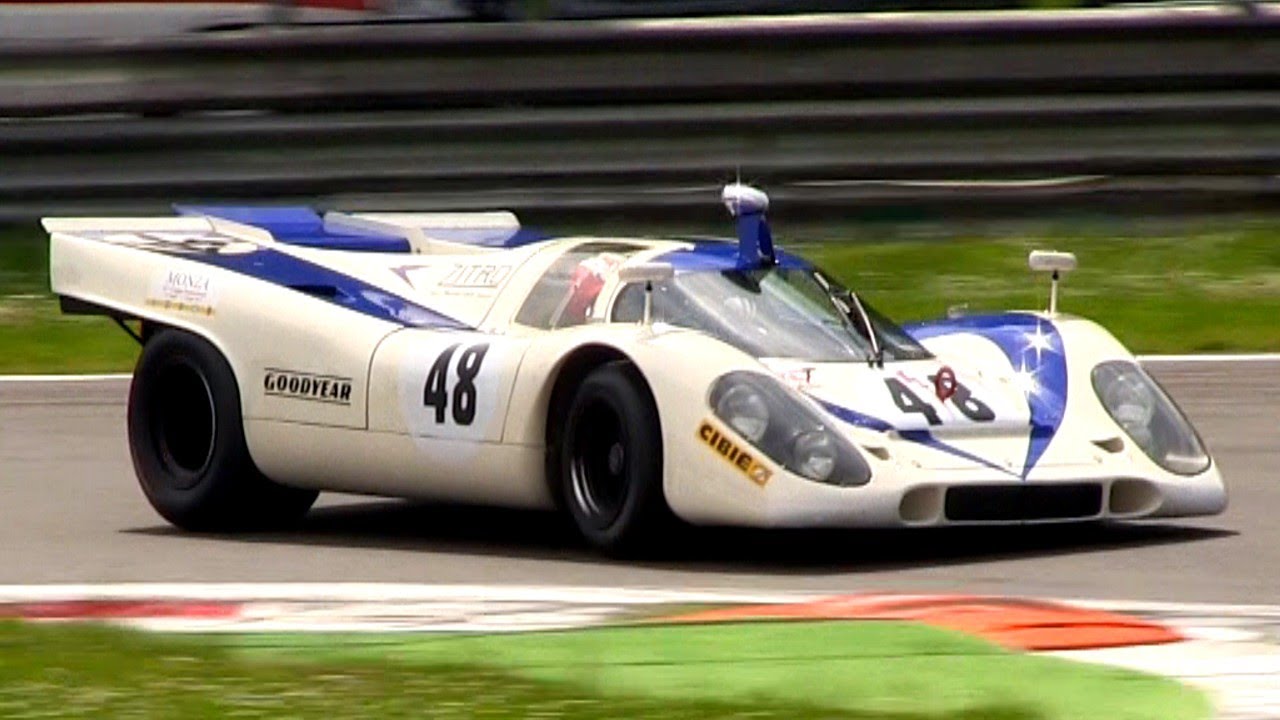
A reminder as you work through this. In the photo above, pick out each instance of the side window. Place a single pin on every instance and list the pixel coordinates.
(629, 305)
(671, 305)
(567, 293)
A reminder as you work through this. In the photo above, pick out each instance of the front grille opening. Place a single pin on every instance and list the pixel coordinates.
(1133, 497)
(995, 503)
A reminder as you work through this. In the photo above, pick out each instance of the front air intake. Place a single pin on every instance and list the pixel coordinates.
(1010, 503)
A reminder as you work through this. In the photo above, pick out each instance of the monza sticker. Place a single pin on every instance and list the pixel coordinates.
(295, 385)
(742, 460)
(184, 291)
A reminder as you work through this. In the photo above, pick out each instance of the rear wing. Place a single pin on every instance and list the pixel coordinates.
(90, 277)
(145, 231)
(205, 226)
(436, 233)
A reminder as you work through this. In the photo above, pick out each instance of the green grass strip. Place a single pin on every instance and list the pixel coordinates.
(1205, 291)
(764, 670)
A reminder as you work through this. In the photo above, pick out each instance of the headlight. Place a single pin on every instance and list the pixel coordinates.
(764, 412)
(1130, 402)
(745, 410)
(1147, 415)
(816, 454)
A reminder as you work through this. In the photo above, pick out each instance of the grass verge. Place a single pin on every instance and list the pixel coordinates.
(1208, 285)
(762, 670)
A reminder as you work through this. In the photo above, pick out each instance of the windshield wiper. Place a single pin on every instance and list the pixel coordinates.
(838, 297)
(877, 350)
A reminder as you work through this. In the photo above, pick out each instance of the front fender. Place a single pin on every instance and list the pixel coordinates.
(679, 367)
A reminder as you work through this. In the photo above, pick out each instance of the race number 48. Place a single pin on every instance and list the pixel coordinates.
(963, 400)
(436, 394)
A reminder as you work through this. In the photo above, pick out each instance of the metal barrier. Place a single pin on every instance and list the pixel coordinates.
(1166, 110)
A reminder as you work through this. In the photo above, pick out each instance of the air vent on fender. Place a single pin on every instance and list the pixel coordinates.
(324, 292)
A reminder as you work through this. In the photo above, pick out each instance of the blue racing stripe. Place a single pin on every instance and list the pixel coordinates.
(298, 225)
(922, 437)
(1034, 348)
(712, 256)
(853, 417)
(322, 283)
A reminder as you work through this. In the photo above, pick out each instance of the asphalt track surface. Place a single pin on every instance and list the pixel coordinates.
(71, 512)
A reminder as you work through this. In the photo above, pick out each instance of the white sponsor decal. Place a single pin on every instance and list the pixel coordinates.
(458, 279)
(478, 276)
(184, 291)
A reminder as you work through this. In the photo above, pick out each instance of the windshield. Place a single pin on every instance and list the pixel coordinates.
(771, 312)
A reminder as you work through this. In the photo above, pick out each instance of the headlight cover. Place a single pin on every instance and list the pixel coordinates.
(763, 412)
(1148, 416)
(746, 411)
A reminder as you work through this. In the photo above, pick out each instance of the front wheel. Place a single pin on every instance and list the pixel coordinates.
(186, 437)
(611, 460)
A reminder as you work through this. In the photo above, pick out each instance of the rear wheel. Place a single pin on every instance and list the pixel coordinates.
(610, 460)
(186, 437)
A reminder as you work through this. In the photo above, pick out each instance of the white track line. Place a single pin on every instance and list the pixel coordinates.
(1240, 358)
(411, 592)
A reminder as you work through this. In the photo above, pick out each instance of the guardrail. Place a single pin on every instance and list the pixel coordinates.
(1126, 110)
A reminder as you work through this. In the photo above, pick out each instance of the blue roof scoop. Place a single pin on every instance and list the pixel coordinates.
(755, 241)
(299, 225)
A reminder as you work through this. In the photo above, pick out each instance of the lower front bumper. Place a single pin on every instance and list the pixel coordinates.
(932, 504)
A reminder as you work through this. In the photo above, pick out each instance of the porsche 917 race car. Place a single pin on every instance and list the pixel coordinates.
(460, 356)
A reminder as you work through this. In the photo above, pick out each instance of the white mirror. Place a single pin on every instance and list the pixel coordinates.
(646, 272)
(740, 199)
(1051, 261)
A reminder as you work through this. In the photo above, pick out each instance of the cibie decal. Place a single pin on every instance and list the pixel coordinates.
(332, 389)
(740, 459)
(184, 291)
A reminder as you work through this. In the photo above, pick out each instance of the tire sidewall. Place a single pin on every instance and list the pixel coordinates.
(213, 488)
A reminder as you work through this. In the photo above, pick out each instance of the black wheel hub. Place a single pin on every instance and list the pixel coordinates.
(182, 419)
(598, 465)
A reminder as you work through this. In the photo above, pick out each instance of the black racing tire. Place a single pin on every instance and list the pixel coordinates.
(610, 461)
(186, 436)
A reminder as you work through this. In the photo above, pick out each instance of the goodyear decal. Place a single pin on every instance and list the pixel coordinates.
(331, 389)
(744, 461)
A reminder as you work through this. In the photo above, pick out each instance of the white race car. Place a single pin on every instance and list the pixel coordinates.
(462, 357)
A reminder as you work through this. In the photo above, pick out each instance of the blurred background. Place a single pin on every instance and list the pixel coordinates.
(920, 110)
(920, 147)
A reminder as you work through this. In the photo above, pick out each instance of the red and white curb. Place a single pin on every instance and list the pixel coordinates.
(351, 607)
(1231, 651)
